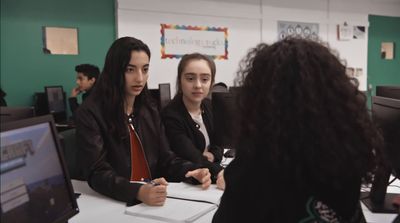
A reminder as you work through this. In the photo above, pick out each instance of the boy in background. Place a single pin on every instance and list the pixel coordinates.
(86, 76)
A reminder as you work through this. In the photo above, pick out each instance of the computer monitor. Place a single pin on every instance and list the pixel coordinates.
(224, 119)
(8, 114)
(388, 91)
(165, 94)
(386, 114)
(56, 103)
(35, 185)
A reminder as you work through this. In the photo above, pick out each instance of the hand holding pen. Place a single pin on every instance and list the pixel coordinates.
(154, 192)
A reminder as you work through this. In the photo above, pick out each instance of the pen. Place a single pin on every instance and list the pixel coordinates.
(148, 181)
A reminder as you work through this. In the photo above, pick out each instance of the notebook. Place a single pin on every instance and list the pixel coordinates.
(184, 203)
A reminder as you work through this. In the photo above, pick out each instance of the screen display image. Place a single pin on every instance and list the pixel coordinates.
(34, 187)
(55, 99)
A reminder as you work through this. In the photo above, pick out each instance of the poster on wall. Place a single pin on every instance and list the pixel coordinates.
(344, 32)
(358, 32)
(178, 40)
(298, 29)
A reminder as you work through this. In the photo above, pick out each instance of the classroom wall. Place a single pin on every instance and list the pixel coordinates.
(25, 69)
(142, 19)
(380, 71)
(249, 22)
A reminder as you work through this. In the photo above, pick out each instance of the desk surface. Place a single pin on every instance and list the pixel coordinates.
(95, 207)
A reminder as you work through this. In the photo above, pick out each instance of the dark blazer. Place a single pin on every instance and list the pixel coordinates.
(73, 101)
(105, 159)
(185, 137)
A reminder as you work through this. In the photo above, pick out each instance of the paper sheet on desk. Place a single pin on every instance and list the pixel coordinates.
(195, 193)
(173, 210)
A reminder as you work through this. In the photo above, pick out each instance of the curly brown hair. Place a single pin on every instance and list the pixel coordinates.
(302, 117)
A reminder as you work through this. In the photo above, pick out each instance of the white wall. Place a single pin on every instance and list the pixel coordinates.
(143, 22)
(248, 23)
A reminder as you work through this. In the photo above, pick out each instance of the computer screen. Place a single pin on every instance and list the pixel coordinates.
(388, 91)
(386, 114)
(56, 102)
(8, 114)
(224, 119)
(35, 186)
(165, 94)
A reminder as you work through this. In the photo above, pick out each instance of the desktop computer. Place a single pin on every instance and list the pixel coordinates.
(225, 120)
(35, 184)
(165, 94)
(8, 114)
(386, 114)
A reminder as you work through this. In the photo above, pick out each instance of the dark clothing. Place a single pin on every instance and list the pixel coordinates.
(73, 101)
(106, 159)
(2, 98)
(281, 200)
(185, 137)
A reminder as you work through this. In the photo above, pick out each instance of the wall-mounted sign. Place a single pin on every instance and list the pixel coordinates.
(387, 50)
(344, 32)
(60, 40)
(178, 40)
(298, 29)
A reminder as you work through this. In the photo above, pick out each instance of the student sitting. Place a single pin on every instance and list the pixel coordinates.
(86, 76)
(188, 117)
(120, 135)
(304, 131)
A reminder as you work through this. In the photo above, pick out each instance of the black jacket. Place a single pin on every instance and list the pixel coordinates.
(105, 159)
(185, 137)
(73, 101)
(255, 193)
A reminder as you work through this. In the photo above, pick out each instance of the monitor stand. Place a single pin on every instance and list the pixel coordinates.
(385, 207)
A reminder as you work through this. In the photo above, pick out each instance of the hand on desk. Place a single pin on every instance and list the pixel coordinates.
(221, 180)
(155, 193)
(202, 175)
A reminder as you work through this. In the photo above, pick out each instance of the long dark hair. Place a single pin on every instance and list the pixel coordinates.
(302, 116)
(110, 87)
(185, 61)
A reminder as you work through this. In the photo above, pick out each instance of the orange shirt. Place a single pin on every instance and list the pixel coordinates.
(139, 166)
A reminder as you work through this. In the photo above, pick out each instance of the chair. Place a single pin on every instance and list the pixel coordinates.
(70, 147)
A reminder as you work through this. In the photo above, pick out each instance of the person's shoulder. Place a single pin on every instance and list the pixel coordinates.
(174, 107)
(90, 105)
(206, 105)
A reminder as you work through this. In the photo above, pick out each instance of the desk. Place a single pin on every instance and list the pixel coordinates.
(95, 207)
(382, 218)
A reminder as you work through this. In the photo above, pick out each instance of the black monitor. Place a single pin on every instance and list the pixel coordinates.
(386, 114)
(388, 91)
(225, 119)
(56, 102)
(8, 114)
(35, 185)
(165, 94)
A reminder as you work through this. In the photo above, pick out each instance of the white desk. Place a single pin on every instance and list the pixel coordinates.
(382, 218)
(95, 207)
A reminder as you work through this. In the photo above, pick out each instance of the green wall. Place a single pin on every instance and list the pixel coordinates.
(380, 71)
(25, 69)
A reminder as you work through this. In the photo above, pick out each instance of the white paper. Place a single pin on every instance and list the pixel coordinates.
(173, 210)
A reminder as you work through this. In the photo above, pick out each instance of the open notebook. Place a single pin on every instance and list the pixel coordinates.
(184, 203)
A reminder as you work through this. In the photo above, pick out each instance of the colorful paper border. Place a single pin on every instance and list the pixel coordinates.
(198, 28)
